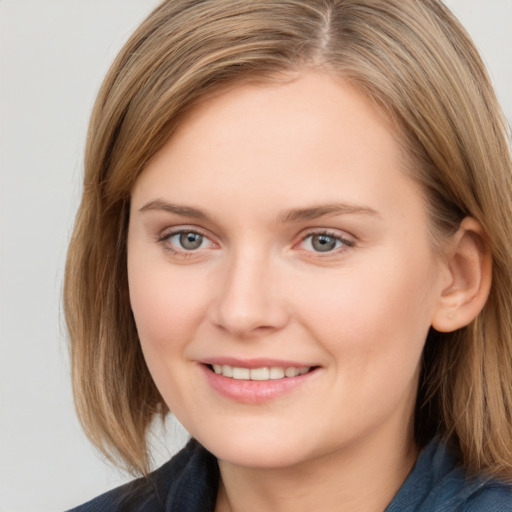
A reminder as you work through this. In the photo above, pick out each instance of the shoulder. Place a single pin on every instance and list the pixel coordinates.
(438, 483)
(135, 496)
(190, 476)
(492, 496)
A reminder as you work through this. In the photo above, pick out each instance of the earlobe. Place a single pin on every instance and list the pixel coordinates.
(469, 263)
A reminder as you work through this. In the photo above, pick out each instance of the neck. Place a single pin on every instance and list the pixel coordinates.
(361, 478)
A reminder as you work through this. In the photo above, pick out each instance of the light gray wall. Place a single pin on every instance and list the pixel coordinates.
(53, 55)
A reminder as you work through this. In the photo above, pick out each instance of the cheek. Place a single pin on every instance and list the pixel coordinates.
(168, 310)
(168, 306)
(373, 326)
(379, 314)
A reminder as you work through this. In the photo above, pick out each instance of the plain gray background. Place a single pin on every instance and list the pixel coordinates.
(53, 56)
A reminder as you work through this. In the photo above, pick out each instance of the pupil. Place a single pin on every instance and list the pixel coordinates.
(323, 243)
(191, 241)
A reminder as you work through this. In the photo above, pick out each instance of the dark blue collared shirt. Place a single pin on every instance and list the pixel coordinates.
(189, 482)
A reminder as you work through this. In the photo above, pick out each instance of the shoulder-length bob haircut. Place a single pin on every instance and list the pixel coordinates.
(415, 62)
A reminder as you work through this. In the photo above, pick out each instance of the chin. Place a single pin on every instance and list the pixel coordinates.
(257, 458)
(262, 451)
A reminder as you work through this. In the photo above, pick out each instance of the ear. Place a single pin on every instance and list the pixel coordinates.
(469, 266)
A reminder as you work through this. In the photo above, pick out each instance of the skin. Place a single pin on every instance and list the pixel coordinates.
(258, 288)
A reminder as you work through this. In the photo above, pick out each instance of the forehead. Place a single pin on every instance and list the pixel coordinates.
(310, 139)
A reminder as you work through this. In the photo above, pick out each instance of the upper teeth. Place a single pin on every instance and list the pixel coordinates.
(264, 373)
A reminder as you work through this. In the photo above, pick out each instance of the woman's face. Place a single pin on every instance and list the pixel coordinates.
(276, 238)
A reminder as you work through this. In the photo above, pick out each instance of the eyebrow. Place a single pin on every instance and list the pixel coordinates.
(285, 217)
(185, 211)
(315, 212)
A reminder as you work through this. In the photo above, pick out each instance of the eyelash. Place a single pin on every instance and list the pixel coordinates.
(165, 238)
(345, 242)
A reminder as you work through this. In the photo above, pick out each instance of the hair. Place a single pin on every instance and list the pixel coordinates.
(416, 63)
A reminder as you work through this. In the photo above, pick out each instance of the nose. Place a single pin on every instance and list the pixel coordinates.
(250, 301)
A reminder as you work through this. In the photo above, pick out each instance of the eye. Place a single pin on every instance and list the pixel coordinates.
(184, 241)
(189, 241)
(324, 242)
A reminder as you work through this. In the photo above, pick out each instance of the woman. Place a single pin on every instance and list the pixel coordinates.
(294, 236)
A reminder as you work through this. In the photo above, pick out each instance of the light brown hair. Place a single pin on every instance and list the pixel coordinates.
(417, 64)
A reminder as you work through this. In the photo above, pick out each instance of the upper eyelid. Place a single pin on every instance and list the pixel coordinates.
(167, 232)
(335, 233)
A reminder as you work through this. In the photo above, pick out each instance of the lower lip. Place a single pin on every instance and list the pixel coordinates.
(254, 391)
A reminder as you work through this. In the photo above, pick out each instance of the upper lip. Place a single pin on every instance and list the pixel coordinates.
(256, 363)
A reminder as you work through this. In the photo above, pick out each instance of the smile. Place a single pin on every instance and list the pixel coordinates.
(257, 381)
(263, 373)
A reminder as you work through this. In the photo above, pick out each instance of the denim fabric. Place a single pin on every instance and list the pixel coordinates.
(189, 481)
(437, 484)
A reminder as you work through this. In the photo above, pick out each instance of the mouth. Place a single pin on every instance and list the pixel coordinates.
(257, 381)
(261, 374)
